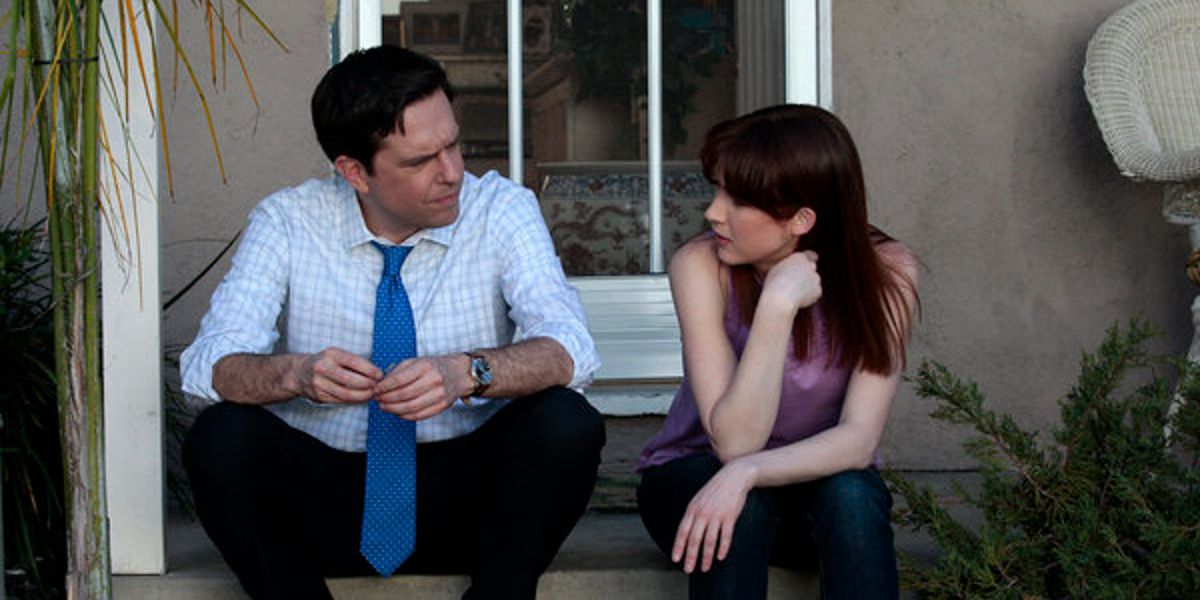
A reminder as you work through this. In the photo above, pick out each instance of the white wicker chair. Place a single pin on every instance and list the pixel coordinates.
(1142, 77)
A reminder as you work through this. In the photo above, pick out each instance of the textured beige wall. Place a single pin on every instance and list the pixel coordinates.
(263, 149)
(980, 152)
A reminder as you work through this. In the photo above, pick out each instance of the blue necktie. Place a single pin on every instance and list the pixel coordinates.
(389, 527)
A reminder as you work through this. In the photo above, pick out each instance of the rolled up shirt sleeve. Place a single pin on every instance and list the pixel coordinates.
(243, 314)
(540, 300)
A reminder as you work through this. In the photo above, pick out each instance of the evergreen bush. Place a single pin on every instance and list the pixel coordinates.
(34, 534)
(1110, 508)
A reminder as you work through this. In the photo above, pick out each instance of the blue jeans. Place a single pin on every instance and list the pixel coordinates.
(842, 522)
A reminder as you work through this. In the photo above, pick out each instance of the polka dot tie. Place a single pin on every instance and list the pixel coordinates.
(389, 527)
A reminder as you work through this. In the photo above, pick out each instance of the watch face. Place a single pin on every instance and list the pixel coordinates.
(481, 371)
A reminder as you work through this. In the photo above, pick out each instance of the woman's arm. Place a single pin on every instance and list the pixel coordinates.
(850, 444)
(737, 400)
(706, 530)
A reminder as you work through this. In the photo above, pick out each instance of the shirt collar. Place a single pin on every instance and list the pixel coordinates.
(352, 229)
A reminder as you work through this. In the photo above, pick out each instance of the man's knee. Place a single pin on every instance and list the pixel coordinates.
(219, 441)
(565, 424)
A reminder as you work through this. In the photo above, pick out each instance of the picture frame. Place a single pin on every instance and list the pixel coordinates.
(434, 28)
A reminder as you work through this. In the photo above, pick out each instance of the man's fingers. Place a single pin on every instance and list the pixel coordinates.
(330, 391)
(356, 364)
(435, 406)
(350, 379)
(421, 407)
(406, 373)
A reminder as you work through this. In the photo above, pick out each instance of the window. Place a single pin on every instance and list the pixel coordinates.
(601, 110)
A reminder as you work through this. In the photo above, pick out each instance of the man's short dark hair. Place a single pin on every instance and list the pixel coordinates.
(361, 100)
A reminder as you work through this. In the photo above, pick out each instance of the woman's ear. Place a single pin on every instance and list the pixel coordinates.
(802, 222)
(354, 172)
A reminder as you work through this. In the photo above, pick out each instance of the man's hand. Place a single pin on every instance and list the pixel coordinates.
(335, 376)
(419, 388)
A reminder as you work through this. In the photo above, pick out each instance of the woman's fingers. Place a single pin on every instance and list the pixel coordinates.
(726, 540)
(710, 546)
(681, 537)
(695, 539)
(700, 542)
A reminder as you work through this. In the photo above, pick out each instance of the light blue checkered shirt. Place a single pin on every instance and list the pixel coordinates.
(472, 284)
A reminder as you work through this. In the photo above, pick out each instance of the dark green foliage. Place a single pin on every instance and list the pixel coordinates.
(34, 538)
(607, 40)
(1109, 509)
(177, 413)
(178, 416)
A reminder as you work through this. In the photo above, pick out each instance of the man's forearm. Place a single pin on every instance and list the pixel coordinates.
(528, 367)
(257, 378)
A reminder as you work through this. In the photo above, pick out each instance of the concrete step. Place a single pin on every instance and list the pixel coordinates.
(607, 556)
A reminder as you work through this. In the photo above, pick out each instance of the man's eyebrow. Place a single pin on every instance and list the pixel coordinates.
(416, 160)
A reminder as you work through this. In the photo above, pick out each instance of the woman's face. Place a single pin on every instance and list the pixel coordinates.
(745, 235)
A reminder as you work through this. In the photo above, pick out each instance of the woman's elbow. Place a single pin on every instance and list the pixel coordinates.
(862, 460)
(736, 449)
(860, 455)
(725, 456)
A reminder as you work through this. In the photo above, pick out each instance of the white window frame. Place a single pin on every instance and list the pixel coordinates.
(807, 50)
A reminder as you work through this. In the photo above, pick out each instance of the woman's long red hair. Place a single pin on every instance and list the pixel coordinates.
(785, 158)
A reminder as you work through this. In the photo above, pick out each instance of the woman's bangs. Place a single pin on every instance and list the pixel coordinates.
(754, 176)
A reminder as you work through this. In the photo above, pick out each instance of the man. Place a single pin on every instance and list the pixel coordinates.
(402, 281)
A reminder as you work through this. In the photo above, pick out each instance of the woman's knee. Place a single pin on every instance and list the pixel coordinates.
(662, 509)
(757, 524)
(854, 504)
(850, 514)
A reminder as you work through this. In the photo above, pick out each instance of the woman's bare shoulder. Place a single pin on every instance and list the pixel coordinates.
(696, 254)
(695, 268)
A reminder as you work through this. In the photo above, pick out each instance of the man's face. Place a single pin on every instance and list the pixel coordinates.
(416, 175)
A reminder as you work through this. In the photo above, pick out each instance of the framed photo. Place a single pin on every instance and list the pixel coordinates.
(432, 28)
(486, 28)
(536, 30)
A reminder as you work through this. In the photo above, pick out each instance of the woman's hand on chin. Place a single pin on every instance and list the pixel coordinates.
(793, 282)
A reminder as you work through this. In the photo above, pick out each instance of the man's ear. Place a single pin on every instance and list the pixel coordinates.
(802, 222)
(354, 172)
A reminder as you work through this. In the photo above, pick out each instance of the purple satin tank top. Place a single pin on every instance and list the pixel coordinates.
(810, 400)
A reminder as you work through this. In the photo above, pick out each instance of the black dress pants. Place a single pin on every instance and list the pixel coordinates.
(285, 510)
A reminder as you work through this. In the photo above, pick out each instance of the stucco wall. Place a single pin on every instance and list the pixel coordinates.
(980, 153)
(263, 149)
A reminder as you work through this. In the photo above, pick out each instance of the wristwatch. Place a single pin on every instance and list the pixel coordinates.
(480, 372)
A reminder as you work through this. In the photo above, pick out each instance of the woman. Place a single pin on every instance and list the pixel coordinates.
(794, 314)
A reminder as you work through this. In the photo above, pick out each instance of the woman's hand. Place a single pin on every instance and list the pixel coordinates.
(706, 530)
(794, 282)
